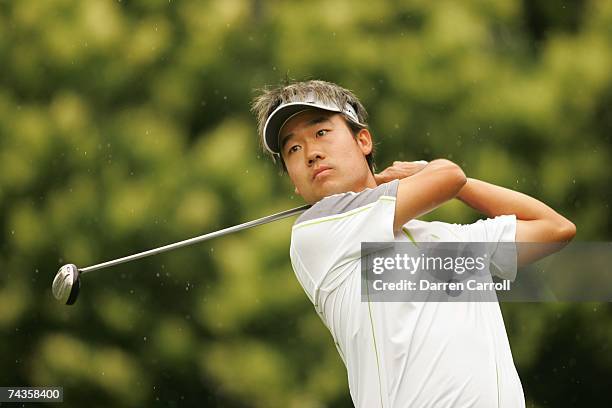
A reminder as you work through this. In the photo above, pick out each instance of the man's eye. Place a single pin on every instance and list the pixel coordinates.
(293, 149)
(322, 132)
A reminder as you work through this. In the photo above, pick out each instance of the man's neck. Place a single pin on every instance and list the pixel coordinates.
(369, 182)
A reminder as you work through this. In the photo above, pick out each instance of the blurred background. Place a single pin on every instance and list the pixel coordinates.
(125, 125)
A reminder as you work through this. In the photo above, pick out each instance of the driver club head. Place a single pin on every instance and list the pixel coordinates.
(66, 284)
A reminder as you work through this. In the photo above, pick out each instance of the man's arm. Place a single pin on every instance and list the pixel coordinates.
(439, 181)
(536, 222)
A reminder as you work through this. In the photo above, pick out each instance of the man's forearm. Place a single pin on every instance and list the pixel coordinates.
(536, 221)
(493, 200)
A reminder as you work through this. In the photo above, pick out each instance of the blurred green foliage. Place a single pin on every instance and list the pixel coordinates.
(125, 125)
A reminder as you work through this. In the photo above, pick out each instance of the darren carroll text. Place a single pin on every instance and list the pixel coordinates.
(424, 284)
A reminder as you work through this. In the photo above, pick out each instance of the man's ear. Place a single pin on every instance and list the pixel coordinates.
(364, 140)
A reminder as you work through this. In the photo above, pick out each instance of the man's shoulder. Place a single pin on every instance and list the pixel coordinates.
(345, 203)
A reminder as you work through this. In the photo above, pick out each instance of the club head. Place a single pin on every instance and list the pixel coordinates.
(66, 284)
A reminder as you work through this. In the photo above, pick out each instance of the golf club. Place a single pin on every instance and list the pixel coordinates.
(67, 282)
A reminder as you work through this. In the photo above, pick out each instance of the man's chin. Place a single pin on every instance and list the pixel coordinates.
(327, 189)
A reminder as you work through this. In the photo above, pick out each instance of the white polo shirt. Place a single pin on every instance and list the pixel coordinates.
(404, 354)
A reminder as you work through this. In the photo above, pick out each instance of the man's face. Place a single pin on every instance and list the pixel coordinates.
(323, 157)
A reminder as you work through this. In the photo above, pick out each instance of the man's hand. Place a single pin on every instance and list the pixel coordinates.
(399, 170)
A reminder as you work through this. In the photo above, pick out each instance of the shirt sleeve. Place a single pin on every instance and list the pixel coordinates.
(500, 234)
(328, 236)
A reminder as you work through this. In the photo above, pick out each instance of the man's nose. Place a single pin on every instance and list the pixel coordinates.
(313, 154)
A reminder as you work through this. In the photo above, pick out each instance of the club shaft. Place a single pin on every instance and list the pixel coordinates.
(195, 240)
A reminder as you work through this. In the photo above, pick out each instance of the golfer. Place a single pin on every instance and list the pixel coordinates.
(397, 354)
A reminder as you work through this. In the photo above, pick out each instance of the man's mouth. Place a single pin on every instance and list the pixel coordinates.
(320, 171)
